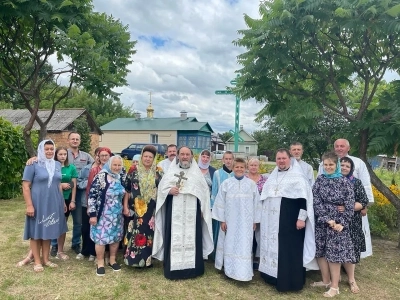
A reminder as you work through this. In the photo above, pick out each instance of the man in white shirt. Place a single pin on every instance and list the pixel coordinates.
(296, 150)
(171, 154)
(342, 148)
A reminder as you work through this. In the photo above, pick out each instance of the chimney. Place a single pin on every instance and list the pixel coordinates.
(137, 115)
(183, 115)
(241, 127)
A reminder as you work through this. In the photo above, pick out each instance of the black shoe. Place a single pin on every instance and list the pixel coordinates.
(100, 271)
(115, 266)
(76, 248)
(53, 251)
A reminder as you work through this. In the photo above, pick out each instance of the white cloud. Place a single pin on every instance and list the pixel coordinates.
(185, 53)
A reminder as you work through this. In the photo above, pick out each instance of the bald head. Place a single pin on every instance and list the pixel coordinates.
(342, 147)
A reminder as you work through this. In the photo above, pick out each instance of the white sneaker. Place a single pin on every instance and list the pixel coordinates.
(92, 258)
(79, 256)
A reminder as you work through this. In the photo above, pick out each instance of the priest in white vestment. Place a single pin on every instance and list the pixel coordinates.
(183, 230)
(237, 208)
(296, 150)
(342, 148)
(287, 226)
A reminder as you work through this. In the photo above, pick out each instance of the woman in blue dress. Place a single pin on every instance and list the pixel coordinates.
(45, 207)
(105, 211)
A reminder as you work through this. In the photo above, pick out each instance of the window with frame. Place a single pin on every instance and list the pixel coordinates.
(154, 138)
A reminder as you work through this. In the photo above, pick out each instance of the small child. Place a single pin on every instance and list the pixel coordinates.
(237, 208)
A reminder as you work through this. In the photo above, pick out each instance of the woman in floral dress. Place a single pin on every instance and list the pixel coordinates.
(141, 184)
(105, 211)
(334, 245)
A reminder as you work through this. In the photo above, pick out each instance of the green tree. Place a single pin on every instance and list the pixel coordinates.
(225, 136)
(102, 109)
(12, 159)
(81, 126)
(305, 55)
(94, 48)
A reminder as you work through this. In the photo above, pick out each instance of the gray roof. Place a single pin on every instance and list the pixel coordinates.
(178, 124)
(60, 120)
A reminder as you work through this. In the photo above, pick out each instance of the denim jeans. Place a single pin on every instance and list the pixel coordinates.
(77, 219)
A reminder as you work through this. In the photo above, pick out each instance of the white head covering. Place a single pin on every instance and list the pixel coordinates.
(107, 167)
(48, 163)
(200, 163)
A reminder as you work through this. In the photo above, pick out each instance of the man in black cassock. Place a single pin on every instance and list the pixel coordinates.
(287, 245)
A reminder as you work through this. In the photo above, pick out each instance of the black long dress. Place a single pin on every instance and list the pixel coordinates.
(199, 262)
(291, 273)
(356, 232)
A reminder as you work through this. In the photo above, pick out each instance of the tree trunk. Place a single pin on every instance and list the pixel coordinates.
(42, 132)
(376, 181)
(28, 142)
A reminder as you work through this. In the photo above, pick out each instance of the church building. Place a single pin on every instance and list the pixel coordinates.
(181, 131)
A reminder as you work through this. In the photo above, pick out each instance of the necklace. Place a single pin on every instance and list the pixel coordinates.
(278, 183)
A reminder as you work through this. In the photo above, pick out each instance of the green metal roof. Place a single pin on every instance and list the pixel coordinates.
(177, 124)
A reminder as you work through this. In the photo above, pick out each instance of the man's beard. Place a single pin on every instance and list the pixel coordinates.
(185, 164)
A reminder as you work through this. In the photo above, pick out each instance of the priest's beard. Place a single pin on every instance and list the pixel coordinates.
(185, 164)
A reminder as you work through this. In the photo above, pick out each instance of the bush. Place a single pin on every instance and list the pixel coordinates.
(12, 159)
(382, 215)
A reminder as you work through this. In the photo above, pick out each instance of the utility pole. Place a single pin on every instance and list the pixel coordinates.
(237, 111)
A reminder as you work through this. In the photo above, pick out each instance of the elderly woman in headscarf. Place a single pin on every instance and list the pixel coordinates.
(356, 232)
(45, 207)
(141, 185)
(105, 211)
(204, 164)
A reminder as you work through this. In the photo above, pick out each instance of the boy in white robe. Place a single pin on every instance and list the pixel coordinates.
(236, 207)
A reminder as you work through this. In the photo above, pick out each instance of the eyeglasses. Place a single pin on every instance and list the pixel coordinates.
(105, 155)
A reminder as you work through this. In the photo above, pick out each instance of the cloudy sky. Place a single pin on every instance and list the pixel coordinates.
(185, 53)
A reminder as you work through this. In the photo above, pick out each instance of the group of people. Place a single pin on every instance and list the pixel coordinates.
(183, 212)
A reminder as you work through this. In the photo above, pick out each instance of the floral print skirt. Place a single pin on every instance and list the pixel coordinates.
(110, 226)
(139, 235)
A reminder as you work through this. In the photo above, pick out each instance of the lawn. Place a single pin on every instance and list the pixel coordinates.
(377, 276)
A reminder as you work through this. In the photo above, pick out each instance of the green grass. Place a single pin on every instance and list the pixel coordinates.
(377, 276)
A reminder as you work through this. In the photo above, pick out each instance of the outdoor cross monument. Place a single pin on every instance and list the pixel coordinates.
(237, 109)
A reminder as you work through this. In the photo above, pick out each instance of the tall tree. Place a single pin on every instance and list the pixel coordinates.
(102, 109)
(95, 50)
(307, 54)
(225, 136)
(81, 126)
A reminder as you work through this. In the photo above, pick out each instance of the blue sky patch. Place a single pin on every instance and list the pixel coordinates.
(159, 42)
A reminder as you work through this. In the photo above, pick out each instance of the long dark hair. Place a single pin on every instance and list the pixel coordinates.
(66, 163)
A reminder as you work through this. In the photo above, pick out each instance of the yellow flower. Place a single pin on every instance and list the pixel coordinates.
(140, 207)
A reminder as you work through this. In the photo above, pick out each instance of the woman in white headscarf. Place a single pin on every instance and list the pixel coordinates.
(205, 168)
(45, 207)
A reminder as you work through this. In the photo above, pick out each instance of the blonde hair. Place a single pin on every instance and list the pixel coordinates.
(253, 159)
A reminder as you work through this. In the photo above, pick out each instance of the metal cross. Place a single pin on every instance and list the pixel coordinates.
(181, 177)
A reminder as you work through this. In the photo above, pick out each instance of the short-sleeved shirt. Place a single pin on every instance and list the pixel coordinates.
(81, 160)
(68, 172)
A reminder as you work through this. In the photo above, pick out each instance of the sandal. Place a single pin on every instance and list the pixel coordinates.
(320, 284)
(354, 287)
(26, 261)
(62, 256)
(50, 264)
(331, 293)
(38, 268)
